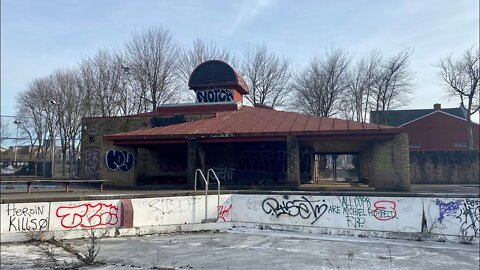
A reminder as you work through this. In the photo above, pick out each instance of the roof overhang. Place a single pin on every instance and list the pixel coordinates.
(119, 139)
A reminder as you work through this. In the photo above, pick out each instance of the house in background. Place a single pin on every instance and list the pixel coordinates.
(437, 143)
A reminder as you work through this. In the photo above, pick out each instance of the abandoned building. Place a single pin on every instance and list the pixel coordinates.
(245, 145)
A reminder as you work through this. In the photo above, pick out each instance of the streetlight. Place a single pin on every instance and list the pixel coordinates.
(54, 103)
(16, 122)
(126, 73)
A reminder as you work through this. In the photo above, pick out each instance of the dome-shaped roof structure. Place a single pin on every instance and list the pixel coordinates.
(216, 73)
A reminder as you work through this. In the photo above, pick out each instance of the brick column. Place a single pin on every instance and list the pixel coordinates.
(293, 162)
(192, 160)
(390, 166)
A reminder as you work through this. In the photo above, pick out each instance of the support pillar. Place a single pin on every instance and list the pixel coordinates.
(390, 165)
(192, 160)
(293, 162)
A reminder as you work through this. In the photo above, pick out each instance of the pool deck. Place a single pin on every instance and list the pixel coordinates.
(86, 192)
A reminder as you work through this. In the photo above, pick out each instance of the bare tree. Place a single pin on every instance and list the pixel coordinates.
(320, 86)
(199, 52)
(35, 104)
(4, 130)
(28, 130)
(462, 78)
(152, 57)
(267, 76)
(392, 85)
(101, 80)
(68, 109)
(362, 77)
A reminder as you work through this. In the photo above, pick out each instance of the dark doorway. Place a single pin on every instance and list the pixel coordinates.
(337, 167)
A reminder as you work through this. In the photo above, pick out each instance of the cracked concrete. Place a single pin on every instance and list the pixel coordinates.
(261, 249)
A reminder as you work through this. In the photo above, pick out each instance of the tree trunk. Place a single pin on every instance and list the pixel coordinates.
(469, 132)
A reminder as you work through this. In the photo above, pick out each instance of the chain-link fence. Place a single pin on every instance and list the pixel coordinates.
(22, 155)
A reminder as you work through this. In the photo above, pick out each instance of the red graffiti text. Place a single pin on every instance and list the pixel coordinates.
(224, 211)
(384, 210)
(87, 215)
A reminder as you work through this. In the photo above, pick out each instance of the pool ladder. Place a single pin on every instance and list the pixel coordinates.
(207, 181)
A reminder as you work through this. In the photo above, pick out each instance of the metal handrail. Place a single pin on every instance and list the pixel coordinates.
(206, 188)
(218, 188)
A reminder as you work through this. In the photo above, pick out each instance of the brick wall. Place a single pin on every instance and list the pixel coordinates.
(92, 139)
(445, 167)
(386, 164)
(94, 147)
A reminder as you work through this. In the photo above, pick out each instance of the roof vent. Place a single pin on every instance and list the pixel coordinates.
(437, 106)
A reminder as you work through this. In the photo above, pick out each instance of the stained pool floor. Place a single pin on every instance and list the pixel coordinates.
(258, 249)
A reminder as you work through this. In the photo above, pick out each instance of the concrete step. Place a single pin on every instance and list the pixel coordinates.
(209, 220)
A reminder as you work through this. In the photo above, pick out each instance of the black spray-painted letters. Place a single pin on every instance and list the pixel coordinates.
(303, 207)
(214, 95)
(26, 218)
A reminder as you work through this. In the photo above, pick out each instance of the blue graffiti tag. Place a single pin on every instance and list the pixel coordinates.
(447, 208)
(119, 160)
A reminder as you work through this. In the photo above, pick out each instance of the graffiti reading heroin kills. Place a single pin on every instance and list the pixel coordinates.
(303, 207)
(26, 218)
(87, 215)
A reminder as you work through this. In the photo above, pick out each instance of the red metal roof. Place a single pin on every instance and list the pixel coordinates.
(254, 122)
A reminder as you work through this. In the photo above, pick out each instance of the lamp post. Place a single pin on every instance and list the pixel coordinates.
(126, 72)
(54, 103)
(17, 122)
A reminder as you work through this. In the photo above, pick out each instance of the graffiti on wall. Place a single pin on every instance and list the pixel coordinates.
(214, 95)
(469, 217)
(384, 210)
(225, 209)
(304, 208)
(225, 174)
(454, 216)
(87, 215)
(119, 160)
(447, 208)
(305, 162)
(171, 164)
(26, 217)
(264, 161)
(167, 121)
(170, 205)
(356, 212)
(357, 209)
(459, 216)
(267, 163)
(17, 168)
(92, 157)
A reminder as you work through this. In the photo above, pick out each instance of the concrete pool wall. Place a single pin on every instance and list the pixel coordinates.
(418, 218)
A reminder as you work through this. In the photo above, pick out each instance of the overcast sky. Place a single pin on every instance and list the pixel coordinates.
(40, 36)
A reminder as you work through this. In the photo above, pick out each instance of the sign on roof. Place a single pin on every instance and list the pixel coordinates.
(215, 95)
